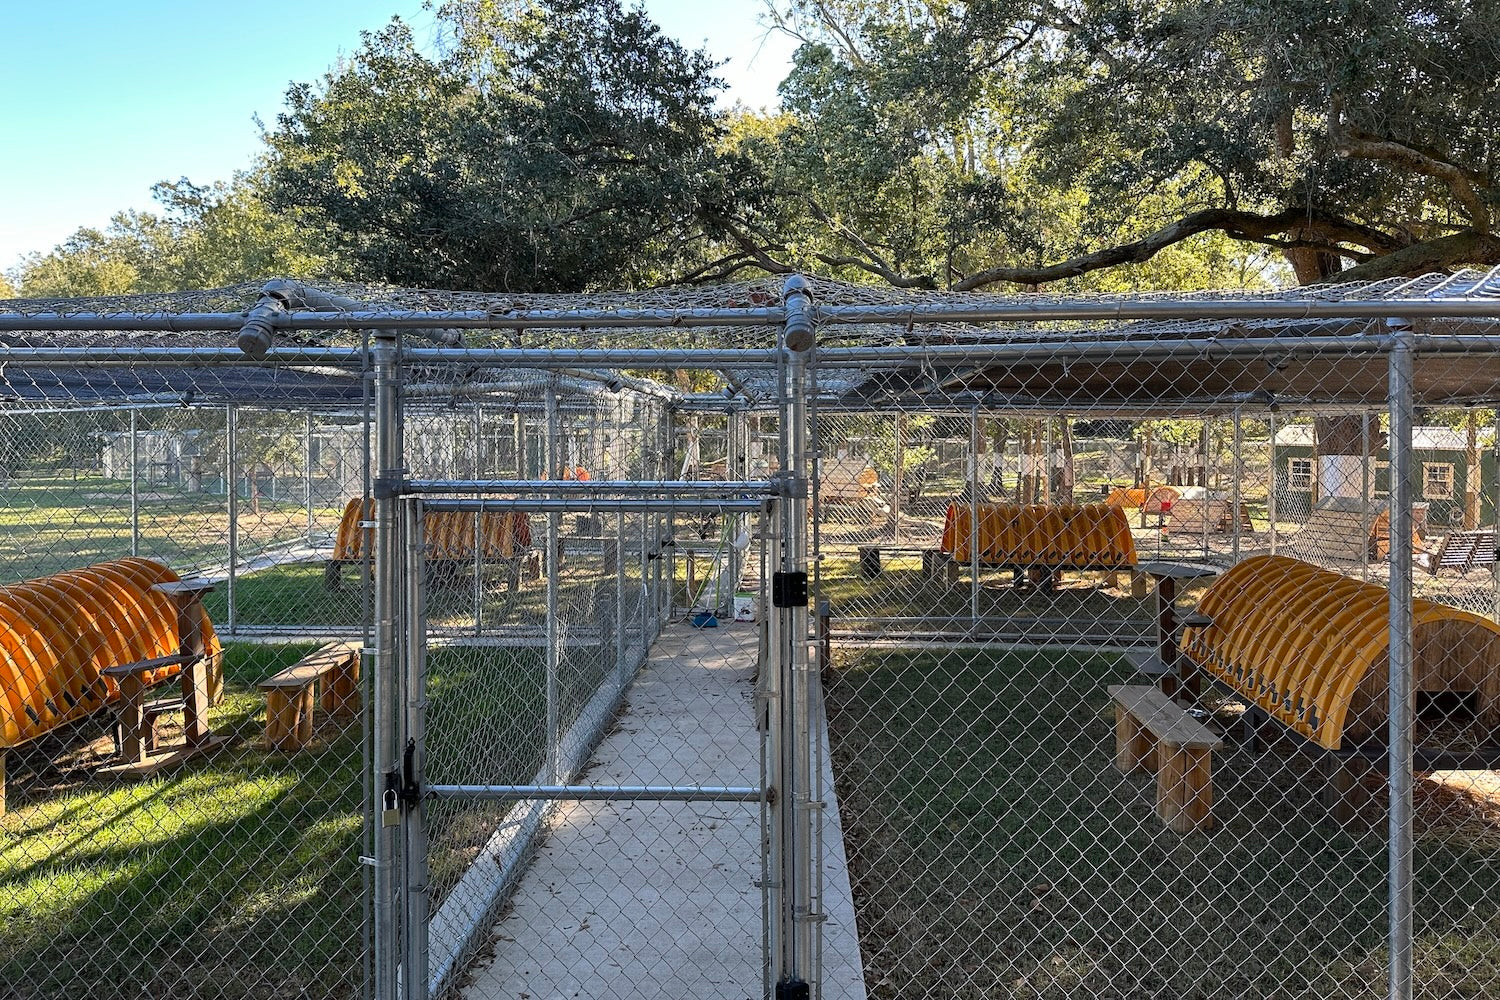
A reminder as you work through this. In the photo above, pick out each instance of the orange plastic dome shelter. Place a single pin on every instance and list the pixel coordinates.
(1066, 536)
(1309, 646)
(57, 633)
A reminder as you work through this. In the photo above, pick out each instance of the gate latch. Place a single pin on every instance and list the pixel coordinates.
(402, 792)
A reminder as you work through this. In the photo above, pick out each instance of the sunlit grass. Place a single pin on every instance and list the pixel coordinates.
(237, 875)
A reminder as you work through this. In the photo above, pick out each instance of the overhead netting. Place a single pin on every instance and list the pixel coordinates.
(747, 316)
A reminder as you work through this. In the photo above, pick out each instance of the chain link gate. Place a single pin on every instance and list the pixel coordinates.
(503, 710)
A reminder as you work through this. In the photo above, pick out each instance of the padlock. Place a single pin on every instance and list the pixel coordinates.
(391, 816)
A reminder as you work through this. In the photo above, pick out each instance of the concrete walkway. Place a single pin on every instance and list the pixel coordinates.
(658, 899)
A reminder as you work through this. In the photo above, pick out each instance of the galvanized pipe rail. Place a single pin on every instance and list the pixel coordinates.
(600, 793)
(589, 487)
(593, 505)
(1014, 310)
(1081, 347)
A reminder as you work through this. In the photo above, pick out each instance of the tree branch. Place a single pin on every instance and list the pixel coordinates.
(1362, 146)
(1330, 229)
(1442, 254)
(893, 278)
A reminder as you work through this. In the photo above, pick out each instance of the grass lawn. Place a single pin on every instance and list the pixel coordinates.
(237, 875)
(996, 852)
(49, 524)
(901, 591)
(295, 594)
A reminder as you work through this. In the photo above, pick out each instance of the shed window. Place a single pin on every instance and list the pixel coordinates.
(1437, 480)
(1299, 473)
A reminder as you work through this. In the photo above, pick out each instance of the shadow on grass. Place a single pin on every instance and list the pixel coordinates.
(234, 876)
(995, 852)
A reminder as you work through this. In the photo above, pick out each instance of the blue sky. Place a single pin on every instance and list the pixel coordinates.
(106, 97)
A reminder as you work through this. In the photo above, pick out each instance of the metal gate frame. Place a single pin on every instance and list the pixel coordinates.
(405, 965)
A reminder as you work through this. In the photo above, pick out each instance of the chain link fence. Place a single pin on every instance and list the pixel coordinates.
(620, 645)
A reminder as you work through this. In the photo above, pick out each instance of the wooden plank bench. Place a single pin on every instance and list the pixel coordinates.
(870, 556)
(289, 693)
(1463, 551)
(1153, 734)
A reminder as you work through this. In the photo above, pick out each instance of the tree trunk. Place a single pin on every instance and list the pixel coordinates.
(1339, 443)
(1069, 473)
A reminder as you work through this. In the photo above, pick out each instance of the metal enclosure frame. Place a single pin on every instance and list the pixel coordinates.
(404, 965)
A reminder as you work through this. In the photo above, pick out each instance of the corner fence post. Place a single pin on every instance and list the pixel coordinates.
(1400, 840)
(232, 511)
(795, 957)
(386, 711)
(1271, 511)
(307, 471)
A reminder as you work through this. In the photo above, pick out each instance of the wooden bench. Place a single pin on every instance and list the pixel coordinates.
(289, 693)
(1463, 551)
(136, 718)
(1155, 735)
(870, 558)
(455, 542)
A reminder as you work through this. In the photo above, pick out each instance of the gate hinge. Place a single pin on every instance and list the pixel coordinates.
(789, 590)
(793, 989)
(788, 485)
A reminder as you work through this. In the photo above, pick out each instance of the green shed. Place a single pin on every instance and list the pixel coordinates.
(1439, 473)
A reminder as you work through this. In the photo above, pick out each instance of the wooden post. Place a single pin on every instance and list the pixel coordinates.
(1184, 788)
(281, 718)
(200, 679)
(304, 710)
(1135, 748)
(1340, 789)
(341, 688)
(133, 718)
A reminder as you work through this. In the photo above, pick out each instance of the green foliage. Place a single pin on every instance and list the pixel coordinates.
(1090, 145)
(550, 147)
(911, 152)
(1166, 143)
(207, 237)
(1373, 118)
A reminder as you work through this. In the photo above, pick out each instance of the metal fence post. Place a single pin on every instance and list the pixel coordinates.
(553, 566)
(1204, 444)
(1271, 480)
(796, 958)
(974, 516)
(1234, 486)
(1400, 708)
(386, 712)
(232, 501)
(308, 475)
(1364, 494)
(135, 484)
(415, 890)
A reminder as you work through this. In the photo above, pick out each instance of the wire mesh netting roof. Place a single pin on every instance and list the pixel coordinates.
(956, 343)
